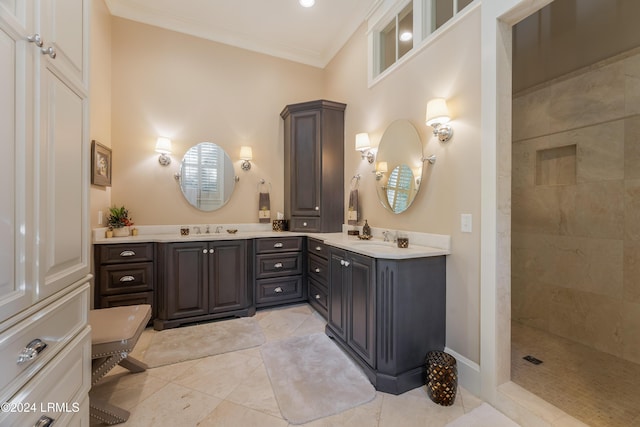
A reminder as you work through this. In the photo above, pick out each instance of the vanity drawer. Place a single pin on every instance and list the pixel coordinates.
(119, 278)
(55, 325)
(276, 265)
(128, 299)
(318, 247)
(126, 252)
(279, 244)
(318, 297)
(318, 268)
(58, 392)
(304, 224)
(278, 290)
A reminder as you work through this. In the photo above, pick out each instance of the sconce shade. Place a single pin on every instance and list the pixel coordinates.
(163, 145)
(362, 141)
(437, 112)
(246, 153)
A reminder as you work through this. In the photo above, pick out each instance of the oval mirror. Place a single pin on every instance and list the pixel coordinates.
(399, 166)
(207, 178)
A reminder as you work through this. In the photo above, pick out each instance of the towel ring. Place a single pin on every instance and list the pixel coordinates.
(262, 182)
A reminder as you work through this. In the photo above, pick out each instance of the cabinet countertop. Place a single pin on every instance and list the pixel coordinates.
(375, 247)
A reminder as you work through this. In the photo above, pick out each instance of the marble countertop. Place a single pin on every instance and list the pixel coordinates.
(420, 244)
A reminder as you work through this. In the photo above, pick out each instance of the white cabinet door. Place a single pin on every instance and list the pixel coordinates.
(16, 150)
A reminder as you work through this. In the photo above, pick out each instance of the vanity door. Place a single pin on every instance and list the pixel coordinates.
(185, 291)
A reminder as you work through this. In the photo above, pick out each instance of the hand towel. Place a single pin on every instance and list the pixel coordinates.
(352, 216)
(264, 208)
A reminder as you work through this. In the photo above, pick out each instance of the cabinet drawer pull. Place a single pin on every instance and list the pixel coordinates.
(31, 351)
(317, 296)
(317, 270)
(278, 265)
(127, 279)
(36, 39)
(304, 224)
(49, 51)
(278, 245)
(278, 290)
(127, 253)
(318, 248)
(44, 421)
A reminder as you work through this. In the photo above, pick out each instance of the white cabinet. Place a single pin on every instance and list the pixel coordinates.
(44, 230)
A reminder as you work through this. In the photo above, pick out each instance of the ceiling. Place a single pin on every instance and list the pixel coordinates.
(280, 28)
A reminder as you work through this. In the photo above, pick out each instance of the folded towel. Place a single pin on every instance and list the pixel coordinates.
(352, 216)
(264, 208)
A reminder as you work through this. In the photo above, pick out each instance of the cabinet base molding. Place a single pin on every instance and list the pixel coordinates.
(160, 324)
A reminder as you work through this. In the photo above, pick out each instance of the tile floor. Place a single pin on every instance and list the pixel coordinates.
(233, 389)
(599, 389)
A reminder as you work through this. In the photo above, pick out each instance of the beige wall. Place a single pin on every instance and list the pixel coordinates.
(192, 90)
(576, 181)
(100, 97)
(447, 67)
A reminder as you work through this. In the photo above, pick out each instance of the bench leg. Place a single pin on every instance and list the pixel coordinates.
(105, 412)
(133, 365)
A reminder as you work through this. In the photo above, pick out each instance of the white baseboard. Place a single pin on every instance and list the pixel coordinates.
(468, 372)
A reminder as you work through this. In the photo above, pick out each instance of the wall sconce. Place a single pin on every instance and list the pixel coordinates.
(363, 144)
(246, 155)
(381, 169)
(163, 146)
(438, 118)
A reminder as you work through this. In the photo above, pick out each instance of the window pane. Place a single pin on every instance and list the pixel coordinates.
(405, 30)
(462, 4)
(388, 46)
(443, 11)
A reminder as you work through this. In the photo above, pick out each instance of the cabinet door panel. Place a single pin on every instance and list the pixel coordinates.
(337, 294)
(361, 333)
(186, 280)
(228, 276)
(305, 183)
(16, 142)
(64, 186)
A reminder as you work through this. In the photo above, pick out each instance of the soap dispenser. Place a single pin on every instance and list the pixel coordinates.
(366, 230)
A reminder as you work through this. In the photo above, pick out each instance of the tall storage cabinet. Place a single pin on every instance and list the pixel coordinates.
(44, 231)
(314, 165)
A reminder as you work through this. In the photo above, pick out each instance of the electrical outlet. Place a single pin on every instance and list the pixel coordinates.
(466, 222)
(100, 218)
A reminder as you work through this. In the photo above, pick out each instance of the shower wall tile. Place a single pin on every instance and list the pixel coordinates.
(631, 332)
(632, 84)
(530, 114)
(632, 147)
(631, 272)
(599, 210)
(530, 302)
(600, 151)
(632, 210)
(523, 159)
(591, 265)
(594, 97)
(587, 318)
(543, 209)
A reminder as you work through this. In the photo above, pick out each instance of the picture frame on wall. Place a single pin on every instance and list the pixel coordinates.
(100, 164)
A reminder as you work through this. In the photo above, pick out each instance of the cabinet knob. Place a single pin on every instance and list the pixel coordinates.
(204, 251)
(317, 270)
(36, 39)
(49, 51)
(127, 253)
(342, 262)
(317, 208)
(211, 251)
(278, 245)
(278, 290)
(44, 421)
(127, 279)
(318, 248)
(304, 224)
(278, 265)
(317, 296)
(31, 351)
(346, 264)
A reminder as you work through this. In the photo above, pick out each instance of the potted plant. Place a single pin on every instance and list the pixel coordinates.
(119, 221)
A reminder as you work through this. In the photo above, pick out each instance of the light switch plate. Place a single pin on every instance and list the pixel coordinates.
(466, 222)
(99, 217)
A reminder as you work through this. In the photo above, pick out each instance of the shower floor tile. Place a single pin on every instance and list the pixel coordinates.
(595, 387)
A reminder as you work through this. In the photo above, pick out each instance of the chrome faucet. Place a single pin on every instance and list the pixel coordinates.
(386, 235)
(207, 230)
(218, 229)
(197, 230)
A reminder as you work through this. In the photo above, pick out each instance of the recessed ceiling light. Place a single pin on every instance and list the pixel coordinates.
(307, 3)
(406, 36)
